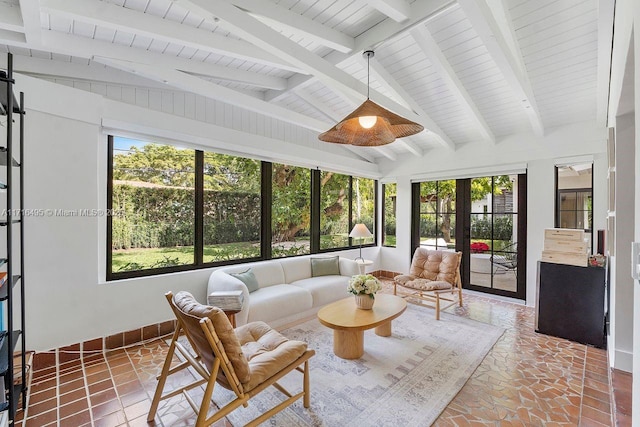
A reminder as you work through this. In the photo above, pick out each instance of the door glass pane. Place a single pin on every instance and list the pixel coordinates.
(493, 250)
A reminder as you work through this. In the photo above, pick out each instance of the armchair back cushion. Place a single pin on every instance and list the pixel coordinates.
(191, 311)
(435, 265)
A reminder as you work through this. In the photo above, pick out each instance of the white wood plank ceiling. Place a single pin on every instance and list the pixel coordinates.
(470, 71)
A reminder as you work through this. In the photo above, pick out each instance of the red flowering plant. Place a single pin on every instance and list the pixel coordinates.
(479, 247)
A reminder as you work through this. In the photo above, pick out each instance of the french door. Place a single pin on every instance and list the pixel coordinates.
(485, 219)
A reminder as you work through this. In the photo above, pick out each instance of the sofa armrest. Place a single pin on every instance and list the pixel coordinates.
(348, 267)
(221, 281)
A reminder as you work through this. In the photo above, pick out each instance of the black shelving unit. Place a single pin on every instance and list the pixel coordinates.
(12, 339)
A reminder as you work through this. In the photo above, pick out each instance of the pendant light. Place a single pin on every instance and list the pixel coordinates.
(370, 125)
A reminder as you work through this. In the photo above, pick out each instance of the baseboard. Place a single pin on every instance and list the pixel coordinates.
(623, 360)
(46, 359)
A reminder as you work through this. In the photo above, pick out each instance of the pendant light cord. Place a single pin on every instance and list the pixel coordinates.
(368, 73)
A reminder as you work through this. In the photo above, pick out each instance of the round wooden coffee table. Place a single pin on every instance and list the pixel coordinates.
(349, 323)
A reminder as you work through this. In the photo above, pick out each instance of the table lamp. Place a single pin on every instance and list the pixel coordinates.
(360, 231)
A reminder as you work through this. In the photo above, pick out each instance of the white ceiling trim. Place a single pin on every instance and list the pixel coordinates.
(10, 18)
(605, 37)
(92, 73)
(385, 151)
(130, 21)
(84, 47)
(385, 78)
(184, 81)
(299, 24)
(430, 47)
(12, 38)
(398, 10)
(30, 10)
(485, 25)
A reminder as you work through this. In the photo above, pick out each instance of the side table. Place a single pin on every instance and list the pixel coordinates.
(362, 264)
(231, 314)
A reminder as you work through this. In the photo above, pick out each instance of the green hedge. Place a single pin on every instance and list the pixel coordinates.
(164, 217)
(502, 228)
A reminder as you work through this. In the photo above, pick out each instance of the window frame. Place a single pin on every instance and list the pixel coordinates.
(266, 198)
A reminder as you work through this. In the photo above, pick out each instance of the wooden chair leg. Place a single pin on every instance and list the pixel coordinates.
(437, 306)
(162, 379)
(460, 297)
(394, 288)
(307, 398)
(201, 421)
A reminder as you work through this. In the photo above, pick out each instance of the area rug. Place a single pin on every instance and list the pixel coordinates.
(404, 380)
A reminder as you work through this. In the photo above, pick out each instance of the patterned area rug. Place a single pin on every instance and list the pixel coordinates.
(403, 380)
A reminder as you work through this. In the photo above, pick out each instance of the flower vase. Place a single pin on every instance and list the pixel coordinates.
(364, 301)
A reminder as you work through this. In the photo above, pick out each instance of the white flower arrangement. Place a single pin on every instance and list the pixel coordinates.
(364, 284)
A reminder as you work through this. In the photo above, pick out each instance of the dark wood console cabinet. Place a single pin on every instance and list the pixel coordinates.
(571, 303)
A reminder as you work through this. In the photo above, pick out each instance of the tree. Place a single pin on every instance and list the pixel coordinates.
(443, 193)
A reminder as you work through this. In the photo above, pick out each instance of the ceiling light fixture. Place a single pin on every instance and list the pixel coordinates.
(370, 125)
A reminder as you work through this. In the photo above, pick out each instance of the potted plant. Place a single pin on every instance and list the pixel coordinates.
(364, 287)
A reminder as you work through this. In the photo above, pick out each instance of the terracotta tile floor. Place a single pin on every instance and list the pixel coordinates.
(527, 379)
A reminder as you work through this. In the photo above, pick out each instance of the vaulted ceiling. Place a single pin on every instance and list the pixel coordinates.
(470, 71)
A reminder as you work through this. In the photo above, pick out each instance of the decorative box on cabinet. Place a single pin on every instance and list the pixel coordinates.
(571, 303)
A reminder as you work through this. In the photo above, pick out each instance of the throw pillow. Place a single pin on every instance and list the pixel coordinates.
(325, 266)
(248, 278)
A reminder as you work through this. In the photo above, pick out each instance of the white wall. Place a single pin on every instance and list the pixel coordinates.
(580, 142)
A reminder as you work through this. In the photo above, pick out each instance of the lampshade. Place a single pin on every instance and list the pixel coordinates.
(370, 124)
(386, 129)
(360, 231)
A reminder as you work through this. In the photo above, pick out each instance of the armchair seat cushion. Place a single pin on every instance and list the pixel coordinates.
(402, 279)
(427, 285)
(267, 351)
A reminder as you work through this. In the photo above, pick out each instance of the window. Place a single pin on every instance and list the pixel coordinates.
(363, 206)
(153, 195)
(574, 197)
(389, 215)
(437, 214)
(180, 209)
(290, 211)
(231, 208)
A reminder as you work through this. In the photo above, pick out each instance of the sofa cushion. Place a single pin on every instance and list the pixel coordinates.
(296, 268)
(278, 301)
(267, 273)
(248, 278)
(325, 289)
(325, 266)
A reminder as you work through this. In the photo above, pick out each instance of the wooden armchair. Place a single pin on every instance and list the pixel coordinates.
(246, 360)
(432, 276)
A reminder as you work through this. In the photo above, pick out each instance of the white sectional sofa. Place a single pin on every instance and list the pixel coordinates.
(287, 291)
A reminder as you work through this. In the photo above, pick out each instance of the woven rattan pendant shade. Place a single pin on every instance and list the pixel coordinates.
(388, 127)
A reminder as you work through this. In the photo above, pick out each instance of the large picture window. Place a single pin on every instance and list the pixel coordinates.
(179, 209)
